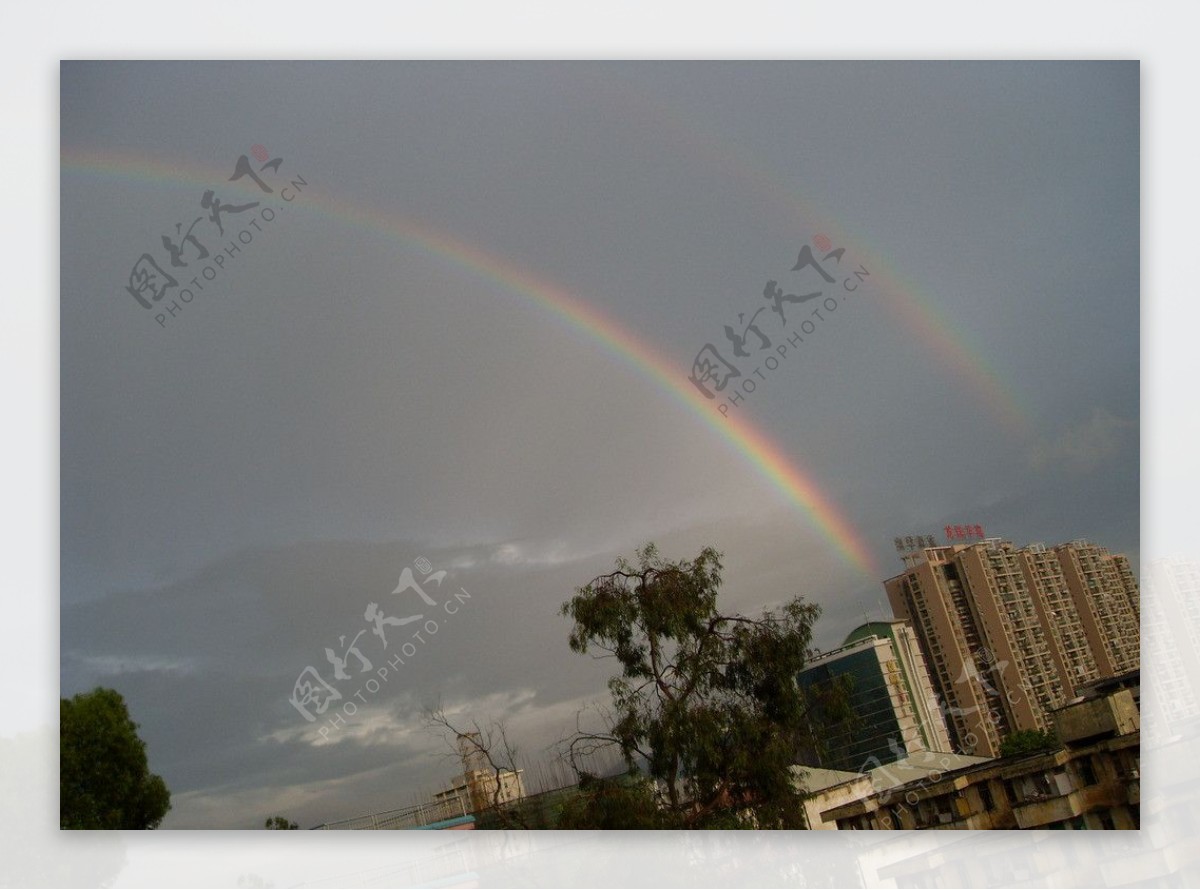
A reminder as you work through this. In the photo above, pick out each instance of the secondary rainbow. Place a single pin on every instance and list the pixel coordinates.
(913, 309)
(785, 472)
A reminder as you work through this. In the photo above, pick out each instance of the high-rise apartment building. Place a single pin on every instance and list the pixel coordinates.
(1105, 593)
(933, 597)
(1059, 617)
(1128, 582)
(1009, 633)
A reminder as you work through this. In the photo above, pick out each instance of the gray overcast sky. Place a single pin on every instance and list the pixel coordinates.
(339, 400)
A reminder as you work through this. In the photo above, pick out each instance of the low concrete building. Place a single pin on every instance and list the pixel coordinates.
(1092, 782)
(826, 789)
(1097, 718)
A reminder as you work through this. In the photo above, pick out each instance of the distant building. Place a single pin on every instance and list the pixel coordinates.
(895, 712)
(1009, 634)
(481, 785)
(477, 790)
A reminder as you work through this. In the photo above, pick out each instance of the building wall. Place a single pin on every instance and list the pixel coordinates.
(930, 722)
(932, 598)
(1069, 646)
(1115, 714)
(1098, 588)
(1128, 581)
(1017, 655)
(884, 725)
(818, 802)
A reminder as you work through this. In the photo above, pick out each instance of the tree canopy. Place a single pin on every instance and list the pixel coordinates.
(706, 703)
(281, 823)
(620, 802)
(104, 776)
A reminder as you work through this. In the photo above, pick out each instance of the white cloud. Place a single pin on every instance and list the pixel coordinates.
(551, 553)
(1083, 447)
(115, 665)
(372, 725)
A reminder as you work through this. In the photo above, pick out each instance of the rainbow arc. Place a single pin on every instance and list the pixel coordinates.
(784, 471)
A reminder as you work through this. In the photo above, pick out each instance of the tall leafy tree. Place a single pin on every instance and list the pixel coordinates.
(104, 776)
(706, 703)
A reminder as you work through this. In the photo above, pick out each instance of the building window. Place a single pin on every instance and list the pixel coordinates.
(1087, 772)
(1036, 787)
(985, 798)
